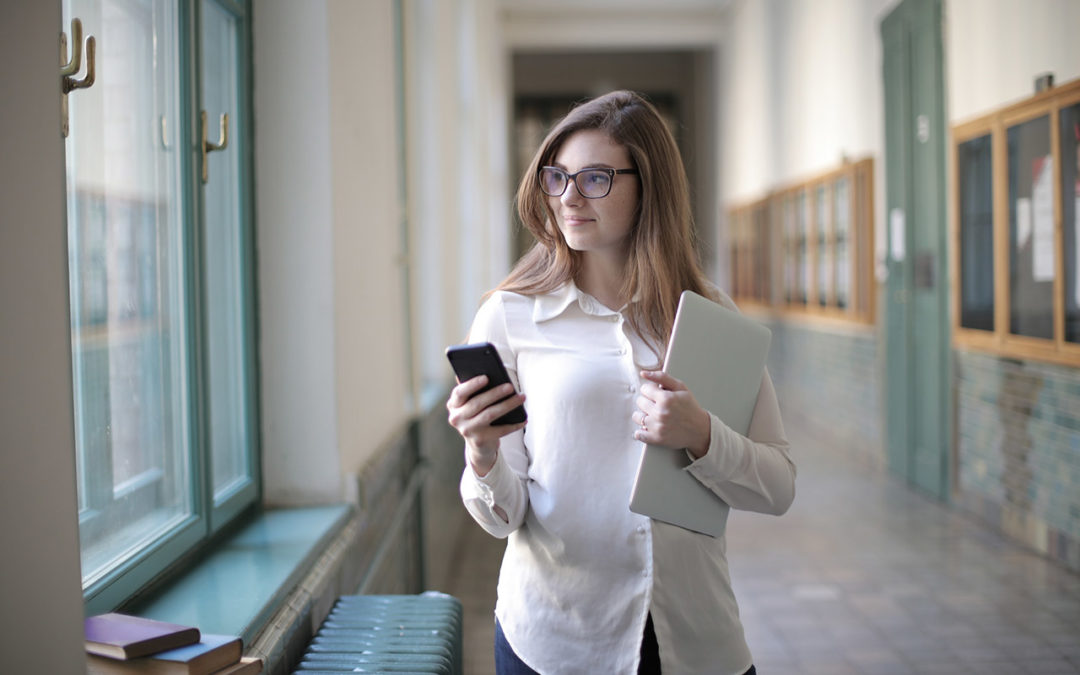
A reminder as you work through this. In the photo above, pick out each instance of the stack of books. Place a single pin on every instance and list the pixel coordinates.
(119, 644)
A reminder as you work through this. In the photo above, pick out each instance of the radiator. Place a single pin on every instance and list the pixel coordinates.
(388, 634)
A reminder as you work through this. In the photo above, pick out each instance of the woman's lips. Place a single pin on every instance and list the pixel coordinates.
(573, 221)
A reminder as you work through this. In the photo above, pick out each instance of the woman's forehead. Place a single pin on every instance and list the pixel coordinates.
(591, 147)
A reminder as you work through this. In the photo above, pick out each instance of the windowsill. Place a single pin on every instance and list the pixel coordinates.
(238, 586)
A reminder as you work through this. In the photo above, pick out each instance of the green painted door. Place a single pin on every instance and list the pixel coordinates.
(916, 304)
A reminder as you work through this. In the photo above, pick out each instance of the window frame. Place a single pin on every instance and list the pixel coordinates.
(1001, 341)
(786, 248)
(191, 532)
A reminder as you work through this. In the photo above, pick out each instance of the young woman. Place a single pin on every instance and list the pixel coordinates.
(581, 323)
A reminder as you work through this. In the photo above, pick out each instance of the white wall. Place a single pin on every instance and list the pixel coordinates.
(331, 307)
(41, 603)
(294, 235)
(611, 24)
(371, 351)
(995, 50)
(458, 206)
(801, 87)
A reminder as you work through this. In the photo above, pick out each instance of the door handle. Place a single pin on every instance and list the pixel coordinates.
(207, 147)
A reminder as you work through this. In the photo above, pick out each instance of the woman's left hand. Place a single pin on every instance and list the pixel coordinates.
(669, 415)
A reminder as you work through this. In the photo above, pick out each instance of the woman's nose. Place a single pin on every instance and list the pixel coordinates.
(571, 195)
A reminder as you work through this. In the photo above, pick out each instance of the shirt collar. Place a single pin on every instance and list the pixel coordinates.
(550, 305)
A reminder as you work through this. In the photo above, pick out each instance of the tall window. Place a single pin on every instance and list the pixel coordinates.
(160, 267)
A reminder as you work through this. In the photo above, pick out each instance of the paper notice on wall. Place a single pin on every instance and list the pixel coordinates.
(896, 234)
(1023, 222)
(1042, 215)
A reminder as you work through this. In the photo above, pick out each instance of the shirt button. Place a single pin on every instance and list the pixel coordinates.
(622, 351)
(645, 573)
(641, 529)
(630, 388)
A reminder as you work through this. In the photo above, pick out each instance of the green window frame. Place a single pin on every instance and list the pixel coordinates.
(161, 270)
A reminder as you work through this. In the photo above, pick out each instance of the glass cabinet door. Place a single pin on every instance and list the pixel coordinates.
(1031, 229)
(823, 224)
(804, 270)
(975, 188)
(842, 210)
(1070, 211)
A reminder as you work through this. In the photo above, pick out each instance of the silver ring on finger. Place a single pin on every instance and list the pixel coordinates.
(644, 417)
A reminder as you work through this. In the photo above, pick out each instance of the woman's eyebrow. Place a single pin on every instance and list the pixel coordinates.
(590, 165)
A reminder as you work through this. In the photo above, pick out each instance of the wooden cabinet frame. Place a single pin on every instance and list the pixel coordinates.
(767, 269)
(1001, 341)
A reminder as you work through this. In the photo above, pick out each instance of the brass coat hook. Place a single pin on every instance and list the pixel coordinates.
(68, 69)
(208, 147)
(71, 67)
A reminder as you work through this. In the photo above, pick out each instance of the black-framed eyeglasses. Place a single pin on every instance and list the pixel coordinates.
(590, 183)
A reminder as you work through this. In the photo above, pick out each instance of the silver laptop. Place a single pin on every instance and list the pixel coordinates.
(720, 355)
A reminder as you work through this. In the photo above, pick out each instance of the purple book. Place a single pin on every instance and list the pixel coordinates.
(120, 636)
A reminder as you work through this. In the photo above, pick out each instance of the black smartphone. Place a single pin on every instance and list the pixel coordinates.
(469, 361)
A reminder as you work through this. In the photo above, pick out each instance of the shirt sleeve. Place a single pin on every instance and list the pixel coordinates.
(753, 472)
(504, 485)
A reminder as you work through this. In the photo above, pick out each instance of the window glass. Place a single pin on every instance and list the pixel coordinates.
(842, 209)
(230, 438)
(802, 225)
(824, 251)
(761, 252)
(1070, 212)
(126, 271)
(976, 202)
(791, 262)
(1031, 229)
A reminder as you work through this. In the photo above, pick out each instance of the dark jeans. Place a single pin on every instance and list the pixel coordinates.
(508, 663)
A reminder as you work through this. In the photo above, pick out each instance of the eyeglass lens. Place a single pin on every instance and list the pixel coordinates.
(591, 183)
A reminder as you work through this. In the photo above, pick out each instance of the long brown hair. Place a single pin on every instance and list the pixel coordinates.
(662, 261)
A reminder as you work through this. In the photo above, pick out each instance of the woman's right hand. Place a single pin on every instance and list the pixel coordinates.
(472, 416)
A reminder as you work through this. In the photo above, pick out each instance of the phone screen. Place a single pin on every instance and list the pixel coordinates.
(469, 361)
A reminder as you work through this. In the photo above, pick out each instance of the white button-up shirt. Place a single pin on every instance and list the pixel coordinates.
(581, 571)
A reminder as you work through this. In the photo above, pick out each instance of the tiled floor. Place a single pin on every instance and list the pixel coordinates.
(862, 575)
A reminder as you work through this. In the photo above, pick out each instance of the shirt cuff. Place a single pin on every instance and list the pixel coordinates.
(718, 463)
(494, 487)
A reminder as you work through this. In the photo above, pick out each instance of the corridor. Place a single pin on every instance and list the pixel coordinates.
(861, 576)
